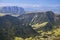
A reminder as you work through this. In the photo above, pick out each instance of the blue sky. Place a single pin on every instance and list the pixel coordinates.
(34, 5)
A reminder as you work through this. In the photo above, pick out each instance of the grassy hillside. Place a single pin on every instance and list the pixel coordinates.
(50, 35)
(54, 34)
(14, 24)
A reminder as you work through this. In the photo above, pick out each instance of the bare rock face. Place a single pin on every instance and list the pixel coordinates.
(50, 16)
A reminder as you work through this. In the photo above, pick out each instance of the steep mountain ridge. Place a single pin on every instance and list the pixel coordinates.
(11, 27)
(32, 18)
(39, 17)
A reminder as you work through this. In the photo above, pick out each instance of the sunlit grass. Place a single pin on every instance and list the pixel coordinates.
(1, 14)
(56, 32)
(18, 38)
(39, 25)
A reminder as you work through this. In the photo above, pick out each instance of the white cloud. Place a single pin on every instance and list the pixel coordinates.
(30, 5)
(20, 5)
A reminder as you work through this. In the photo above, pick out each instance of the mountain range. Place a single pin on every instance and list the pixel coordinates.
(12, 10)
(21, 26)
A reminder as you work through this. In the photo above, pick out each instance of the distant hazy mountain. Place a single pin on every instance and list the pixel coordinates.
(12, 10)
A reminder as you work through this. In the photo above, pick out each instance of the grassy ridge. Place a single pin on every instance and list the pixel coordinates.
(51, 35)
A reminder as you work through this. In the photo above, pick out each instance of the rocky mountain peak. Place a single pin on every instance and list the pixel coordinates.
(12, 10)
